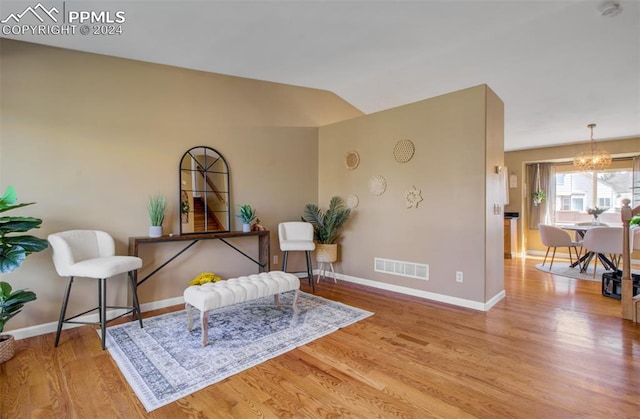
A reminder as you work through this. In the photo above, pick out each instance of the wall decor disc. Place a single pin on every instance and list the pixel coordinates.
(353, 201)
(403, 151)
(377, 185)
(352, 159)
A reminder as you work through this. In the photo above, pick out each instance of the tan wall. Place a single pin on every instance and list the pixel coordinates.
(90, 138)
(494, 230)
(516, 161)
(455, 135)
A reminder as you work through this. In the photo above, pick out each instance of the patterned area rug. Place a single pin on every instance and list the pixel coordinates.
(163, 362)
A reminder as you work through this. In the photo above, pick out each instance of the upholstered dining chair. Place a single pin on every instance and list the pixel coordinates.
(580, 234)
(600, 242)
(297, 236)
(91, 254)
(554, 237)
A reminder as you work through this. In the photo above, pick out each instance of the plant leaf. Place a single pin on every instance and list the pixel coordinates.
(11, 258)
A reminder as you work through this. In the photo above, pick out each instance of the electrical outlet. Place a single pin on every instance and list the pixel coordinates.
(459, 276)
(275, 259)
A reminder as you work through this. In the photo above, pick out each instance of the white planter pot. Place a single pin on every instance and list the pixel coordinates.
(246, 228)
(155, 231)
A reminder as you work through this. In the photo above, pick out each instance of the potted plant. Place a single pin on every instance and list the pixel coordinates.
(13, 251)
(327, 226)
(246, 215)
(157, 209)
(595, 212)
(538, 197)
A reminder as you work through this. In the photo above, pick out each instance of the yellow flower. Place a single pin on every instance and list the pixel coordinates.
(205, 277)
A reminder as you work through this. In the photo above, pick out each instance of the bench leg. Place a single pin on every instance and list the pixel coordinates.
(189, 311)
(295, 302)
(276, 299)
(204, 316)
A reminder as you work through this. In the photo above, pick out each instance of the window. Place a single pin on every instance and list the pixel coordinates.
(604, 202)
(577, 191)
(577, 204)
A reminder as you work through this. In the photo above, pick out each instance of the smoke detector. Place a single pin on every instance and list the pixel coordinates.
(609, 8)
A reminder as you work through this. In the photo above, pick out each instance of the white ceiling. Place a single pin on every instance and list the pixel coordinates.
(557, 65)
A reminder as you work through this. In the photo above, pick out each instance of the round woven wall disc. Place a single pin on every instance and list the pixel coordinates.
(352, 159)
(403, 151)
(377, 185)
(352, 201)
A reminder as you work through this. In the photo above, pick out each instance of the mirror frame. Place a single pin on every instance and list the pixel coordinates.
(206, 163)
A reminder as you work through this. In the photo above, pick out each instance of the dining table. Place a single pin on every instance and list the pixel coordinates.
(584, 260)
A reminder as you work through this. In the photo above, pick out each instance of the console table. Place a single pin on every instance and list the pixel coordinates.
(263, 247)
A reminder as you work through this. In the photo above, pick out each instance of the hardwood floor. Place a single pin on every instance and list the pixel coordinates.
(553, 348)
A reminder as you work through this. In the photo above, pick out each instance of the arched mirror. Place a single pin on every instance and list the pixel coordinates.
(204, 191)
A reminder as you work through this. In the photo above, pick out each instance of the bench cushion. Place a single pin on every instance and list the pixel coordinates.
(237, 290)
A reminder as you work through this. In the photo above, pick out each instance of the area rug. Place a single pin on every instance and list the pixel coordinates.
(563, 269)
(163, 362)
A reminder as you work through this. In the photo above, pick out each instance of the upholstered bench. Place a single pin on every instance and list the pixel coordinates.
(232, 291)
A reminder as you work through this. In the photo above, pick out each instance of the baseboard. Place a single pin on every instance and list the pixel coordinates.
(461, 302)
(45, 328)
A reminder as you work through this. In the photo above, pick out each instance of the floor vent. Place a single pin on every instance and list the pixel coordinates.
(397, 267)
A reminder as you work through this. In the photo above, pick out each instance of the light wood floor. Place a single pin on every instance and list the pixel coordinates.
(553, 348)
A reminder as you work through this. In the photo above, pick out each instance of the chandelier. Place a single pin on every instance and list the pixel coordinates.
(593, 159)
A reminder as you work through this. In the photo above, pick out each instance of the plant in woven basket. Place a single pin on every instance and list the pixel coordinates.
(327, 225)
(11, 302)
(14, 248)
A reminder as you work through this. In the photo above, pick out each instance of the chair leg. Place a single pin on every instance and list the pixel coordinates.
(545, 256)
(63, 309)
(134, 293)
(570, 255)
(284, 261)
(552, 258)
(310, 271)
(103, 309)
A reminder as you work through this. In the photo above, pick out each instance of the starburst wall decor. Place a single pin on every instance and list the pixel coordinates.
(413, 197)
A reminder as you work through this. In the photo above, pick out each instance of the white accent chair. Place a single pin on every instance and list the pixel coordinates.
(554, 237)
(600, 242)
(297, 236)
(91, 254)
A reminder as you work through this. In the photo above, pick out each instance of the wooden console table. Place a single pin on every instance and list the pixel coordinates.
(263, 246)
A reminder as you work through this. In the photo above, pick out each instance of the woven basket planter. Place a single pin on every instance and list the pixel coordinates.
(326, 252)
(7, 347)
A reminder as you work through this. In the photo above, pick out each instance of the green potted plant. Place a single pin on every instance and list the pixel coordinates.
(327, 226)
(538, 197)
(157, 208)
(14, 248)
(246, 215)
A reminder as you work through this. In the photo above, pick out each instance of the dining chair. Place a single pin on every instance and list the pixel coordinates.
(554, 237)
(91, 254)
(579, 234)
(297, 236)
(600, 242)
